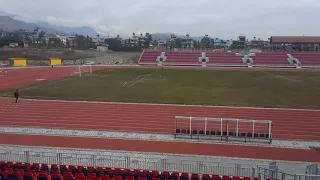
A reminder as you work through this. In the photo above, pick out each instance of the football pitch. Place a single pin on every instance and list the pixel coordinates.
(182, 86)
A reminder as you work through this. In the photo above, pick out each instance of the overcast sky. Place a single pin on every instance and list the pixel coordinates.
(218, 18)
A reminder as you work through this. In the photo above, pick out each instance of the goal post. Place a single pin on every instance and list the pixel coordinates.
(82, 70)
(3, 73)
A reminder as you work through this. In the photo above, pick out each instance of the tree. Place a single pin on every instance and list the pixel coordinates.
(178, 43)
(196, 44)
(68, 44)
(87, 42)
(6, 40)
(98, 36)
(148, 40)
(35, 31)
(139, 43)
(154, 43)
(90, 42)
(114, 43)
(80, 41)
(41, 35)
(206, 42)
(55, 43)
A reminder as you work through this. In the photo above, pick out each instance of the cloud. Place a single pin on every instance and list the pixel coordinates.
(225, 19)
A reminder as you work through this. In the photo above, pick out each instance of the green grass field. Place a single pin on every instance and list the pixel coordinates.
(206, 87)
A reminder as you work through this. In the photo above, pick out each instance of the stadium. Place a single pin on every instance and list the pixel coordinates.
(175, 115)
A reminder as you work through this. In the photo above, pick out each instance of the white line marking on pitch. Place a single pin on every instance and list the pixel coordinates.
(135, 82)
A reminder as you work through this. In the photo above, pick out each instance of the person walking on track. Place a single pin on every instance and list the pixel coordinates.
(16, 95)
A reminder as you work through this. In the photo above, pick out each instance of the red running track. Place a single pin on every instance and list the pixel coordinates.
(287, 124)
(305, 155)
(26, 76)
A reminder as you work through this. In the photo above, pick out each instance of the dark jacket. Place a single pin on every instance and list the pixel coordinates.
(16, 94)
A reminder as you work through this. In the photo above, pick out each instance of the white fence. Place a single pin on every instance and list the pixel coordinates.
(275, 174)
(127, 162)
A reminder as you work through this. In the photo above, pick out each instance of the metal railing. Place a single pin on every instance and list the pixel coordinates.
(128, 162)
(272, 174)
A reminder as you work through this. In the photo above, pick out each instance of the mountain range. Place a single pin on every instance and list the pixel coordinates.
(8, 23)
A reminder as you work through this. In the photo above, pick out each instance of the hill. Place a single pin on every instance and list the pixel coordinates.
(8, 23)
(83, 30)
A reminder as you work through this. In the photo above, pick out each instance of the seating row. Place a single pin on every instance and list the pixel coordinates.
(227, 135)
(305, 58)
(272, 59)
(26, 171)
(191, 58)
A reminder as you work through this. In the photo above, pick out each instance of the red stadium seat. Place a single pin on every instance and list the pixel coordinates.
(79, 174)
(155, 173)
(165, 173)
(34, 173)
(176, 174)
(67, 174)
(214, 177)
(185, 174)
(90, 175)
(81, 178)
(43, 174)
(19, 174)
(142, 178)
(205, 176)
(105, 177)
(129, 178)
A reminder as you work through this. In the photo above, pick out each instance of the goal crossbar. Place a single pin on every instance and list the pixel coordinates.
(80, 70)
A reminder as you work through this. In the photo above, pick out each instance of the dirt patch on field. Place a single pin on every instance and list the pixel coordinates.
(37, 56)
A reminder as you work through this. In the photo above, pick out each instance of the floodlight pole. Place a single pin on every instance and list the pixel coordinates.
(205, 126)
(221, 122)
(227, 127)
(270, 124)
(190, 125)
(176, 124)
(237, 131)
(253, 121)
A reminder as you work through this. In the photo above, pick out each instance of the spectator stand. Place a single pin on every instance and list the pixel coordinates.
(223, 129)
(35, 171)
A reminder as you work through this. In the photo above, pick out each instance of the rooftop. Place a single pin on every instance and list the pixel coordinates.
(295, 39)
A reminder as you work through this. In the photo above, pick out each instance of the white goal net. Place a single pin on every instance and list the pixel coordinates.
(3, 73)
(82, 70)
